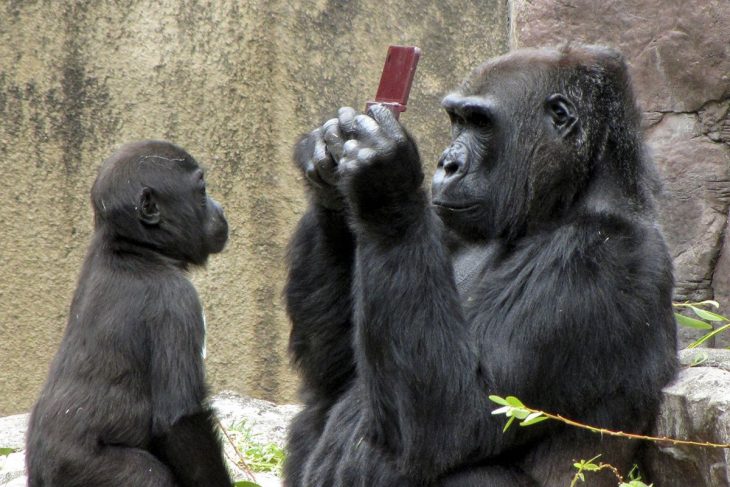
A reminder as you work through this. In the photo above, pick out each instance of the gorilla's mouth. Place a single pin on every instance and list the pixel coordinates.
(454, 206)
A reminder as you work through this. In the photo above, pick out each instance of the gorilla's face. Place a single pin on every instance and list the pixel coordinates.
(514, 152)
(153, 194)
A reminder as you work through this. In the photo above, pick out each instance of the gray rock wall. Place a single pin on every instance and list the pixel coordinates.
(696, 407)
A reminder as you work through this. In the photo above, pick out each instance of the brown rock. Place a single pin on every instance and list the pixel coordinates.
(679, 51)
(696, 407)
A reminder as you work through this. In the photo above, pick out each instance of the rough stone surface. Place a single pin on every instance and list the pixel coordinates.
(234, 83)
(678, 50)
(266, 421)
(721, 283)
(694, 208)
(679, 58)
(696, 407)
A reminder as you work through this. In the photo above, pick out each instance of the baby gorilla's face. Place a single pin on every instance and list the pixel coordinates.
(153, 195)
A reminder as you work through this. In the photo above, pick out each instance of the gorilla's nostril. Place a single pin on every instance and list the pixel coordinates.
(451, 166)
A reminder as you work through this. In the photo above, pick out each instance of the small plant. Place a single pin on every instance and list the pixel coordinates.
(259, 456)
(591, 466)
(7, 451)
(707, 318)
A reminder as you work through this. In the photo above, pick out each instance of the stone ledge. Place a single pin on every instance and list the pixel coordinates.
(696, 406)
(267, 422)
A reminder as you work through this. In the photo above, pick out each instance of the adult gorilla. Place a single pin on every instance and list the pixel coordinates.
(536, 269)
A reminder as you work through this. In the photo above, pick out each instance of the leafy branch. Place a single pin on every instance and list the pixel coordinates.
(706, 321)
(513, 408)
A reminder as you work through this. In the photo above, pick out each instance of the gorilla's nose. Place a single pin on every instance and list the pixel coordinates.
(452, 160)
(451, 167)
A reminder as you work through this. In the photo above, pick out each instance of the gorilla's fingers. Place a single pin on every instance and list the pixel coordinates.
(367, 128)
(320, 150)
(387, 122)
(346, 117)
(333, 138)
(366, 154)
(350, 149)
(304, 149)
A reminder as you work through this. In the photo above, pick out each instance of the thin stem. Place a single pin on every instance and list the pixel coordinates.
(708, 336)
(243, 466)
(604, 431)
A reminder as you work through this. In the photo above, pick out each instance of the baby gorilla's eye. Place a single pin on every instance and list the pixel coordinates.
(202, 191)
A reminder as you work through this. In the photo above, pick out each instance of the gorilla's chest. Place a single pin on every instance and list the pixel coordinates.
(470, 263)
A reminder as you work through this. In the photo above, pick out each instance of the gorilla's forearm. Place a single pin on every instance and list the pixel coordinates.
(319, 302)
(414, 351)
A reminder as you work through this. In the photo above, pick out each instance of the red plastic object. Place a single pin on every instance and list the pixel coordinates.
(397, 78)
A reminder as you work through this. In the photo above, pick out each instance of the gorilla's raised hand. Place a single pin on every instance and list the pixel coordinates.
(317, 154)
(380, 169)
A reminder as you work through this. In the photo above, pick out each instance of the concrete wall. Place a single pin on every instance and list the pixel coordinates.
(231, 81)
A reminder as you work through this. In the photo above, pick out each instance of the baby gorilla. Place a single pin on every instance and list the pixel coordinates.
(125, 400)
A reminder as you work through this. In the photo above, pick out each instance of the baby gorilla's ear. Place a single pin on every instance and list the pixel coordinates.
(147, 209)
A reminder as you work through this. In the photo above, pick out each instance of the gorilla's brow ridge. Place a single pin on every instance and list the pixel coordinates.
(155, 156)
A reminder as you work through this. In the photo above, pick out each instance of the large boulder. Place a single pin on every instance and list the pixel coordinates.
(696, 407)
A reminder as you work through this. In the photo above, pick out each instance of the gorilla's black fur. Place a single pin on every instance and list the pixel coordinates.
(536, 269)
(125, 400)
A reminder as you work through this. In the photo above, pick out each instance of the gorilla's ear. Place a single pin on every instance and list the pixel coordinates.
(147, 209)
(562, 113)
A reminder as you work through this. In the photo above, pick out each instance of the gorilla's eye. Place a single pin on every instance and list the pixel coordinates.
(456, 119)
(559, 114)
(560, 110)
(201, 189)
(478, 119)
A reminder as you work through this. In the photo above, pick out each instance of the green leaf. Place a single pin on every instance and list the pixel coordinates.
(698, 359)
(703, 339)
(7, 451)
(499, 400)
(692, 322)
(708, 315)
(534, 418)
(509, 423)
(514, 402)
(245, 483)
(583, 464)
(520, 414)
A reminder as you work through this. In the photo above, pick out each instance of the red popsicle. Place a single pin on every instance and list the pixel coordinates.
(397, 77)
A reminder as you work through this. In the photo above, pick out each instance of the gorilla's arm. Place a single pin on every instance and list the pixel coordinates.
(183, 428)
(415, 354)
(319, 302)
